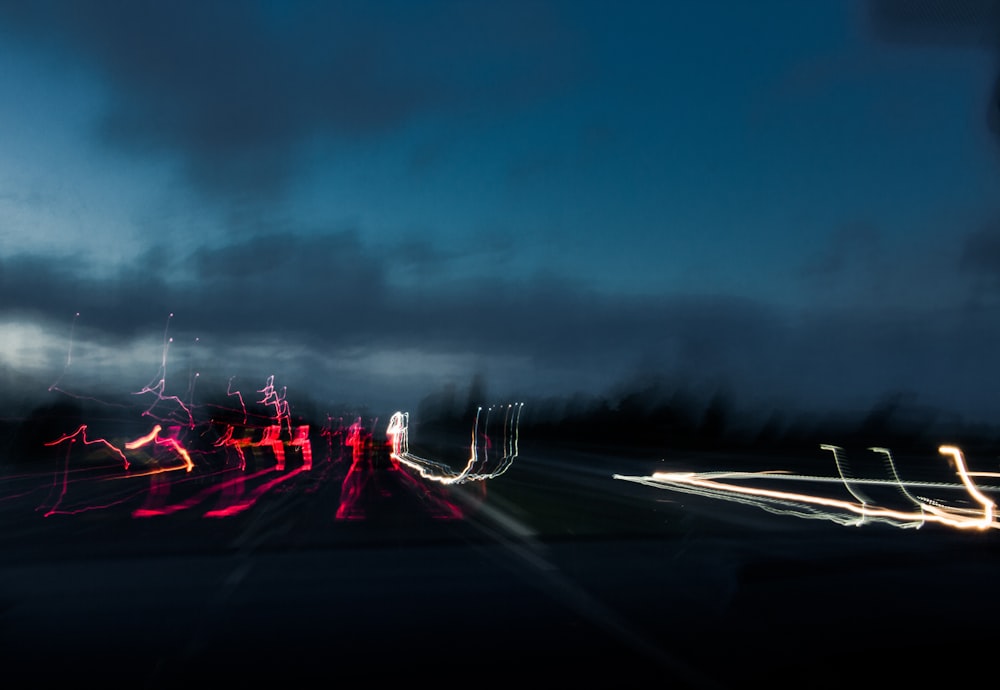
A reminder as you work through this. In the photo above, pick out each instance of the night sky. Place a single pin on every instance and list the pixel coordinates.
(794, 203)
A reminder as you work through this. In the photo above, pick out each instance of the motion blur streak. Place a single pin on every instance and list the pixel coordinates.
(158, 385)
(169, 441)
(70, 440)
(804, 505)
(81, 434)
(249, 501)
(227, 441)
(302, 441)
(895, 477)
(272, 440)
(282, 410)
(970, 486)
(480, 465)
(69, 354)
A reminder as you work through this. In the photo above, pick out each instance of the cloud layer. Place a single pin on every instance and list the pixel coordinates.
(322, 313)
(761, 259)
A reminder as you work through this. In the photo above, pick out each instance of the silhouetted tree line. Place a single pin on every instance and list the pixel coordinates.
(656, 417)
(641, 418)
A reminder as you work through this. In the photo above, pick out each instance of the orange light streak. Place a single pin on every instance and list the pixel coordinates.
(239, 396)
(241, 506)
(171, 442)
(143, 440)
(970, 486)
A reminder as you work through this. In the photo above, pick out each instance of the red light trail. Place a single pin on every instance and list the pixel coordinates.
(220, 448)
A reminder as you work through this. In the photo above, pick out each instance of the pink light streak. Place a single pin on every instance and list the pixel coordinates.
(81, 434)
(302, 442)
(142, 455)
(243, 505)
(237, 444)
(358, 474)
(230, 491)
(282, 410)
(231, 393)
(272, 439)
(362, 479)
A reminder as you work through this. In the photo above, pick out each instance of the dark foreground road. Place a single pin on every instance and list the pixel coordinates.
(553, 573)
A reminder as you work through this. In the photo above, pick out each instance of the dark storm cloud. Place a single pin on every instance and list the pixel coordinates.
(957, 22)
(290, 280)
(333, 290)
(47, 287)
(236, 88)
(849, 245)
(275, 283)
(980, 260)
(981, 252)
(300, 303)
(943, 23)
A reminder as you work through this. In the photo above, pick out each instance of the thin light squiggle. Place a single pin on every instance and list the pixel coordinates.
(362, 481)
(69, 354)
(479, 466)
(174, 429)
(282, 410)
(891, 466)
(158, 385)
(723, 485)
(81, 434)
(239, 396)
(170, 441)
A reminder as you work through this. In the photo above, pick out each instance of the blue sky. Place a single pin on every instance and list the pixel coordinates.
(795, 203)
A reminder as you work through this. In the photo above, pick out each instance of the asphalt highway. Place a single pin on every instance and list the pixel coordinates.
(553, 572)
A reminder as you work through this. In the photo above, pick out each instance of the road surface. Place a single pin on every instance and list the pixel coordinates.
(553, 572)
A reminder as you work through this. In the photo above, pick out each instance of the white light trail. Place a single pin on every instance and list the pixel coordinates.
(854, 511)
(480, 465)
